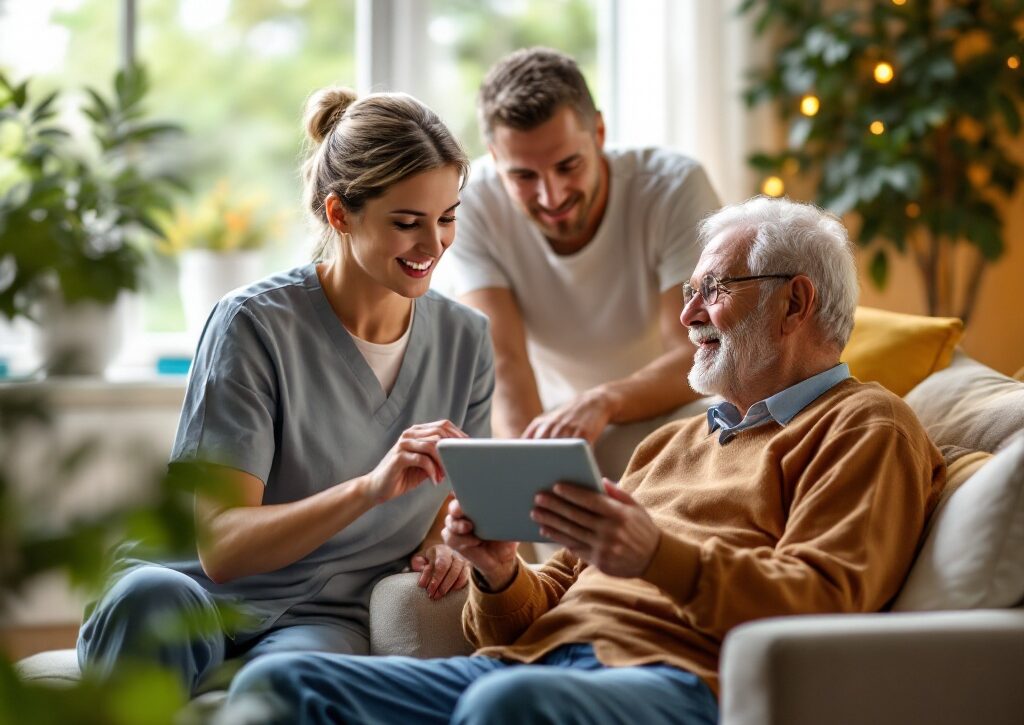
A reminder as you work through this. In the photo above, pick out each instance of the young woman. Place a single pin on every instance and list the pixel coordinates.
(319, 395)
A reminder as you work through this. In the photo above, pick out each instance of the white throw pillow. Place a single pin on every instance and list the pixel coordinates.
(974, 555)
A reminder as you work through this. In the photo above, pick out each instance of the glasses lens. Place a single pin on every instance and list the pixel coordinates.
(709, 289)
(687, 293)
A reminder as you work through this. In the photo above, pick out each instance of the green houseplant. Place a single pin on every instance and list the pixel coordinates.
(903, 112)
(219, 244)
(74, 219)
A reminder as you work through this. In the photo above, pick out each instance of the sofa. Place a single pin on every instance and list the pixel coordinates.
(951, 650)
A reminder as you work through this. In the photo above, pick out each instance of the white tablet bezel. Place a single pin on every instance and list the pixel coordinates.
(496, 480)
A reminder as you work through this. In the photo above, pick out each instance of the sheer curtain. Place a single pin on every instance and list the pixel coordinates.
(677, 70)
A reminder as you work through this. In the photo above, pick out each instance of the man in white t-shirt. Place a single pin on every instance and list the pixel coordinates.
(576, 254)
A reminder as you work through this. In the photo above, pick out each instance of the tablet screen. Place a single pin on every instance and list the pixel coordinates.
(495, 480)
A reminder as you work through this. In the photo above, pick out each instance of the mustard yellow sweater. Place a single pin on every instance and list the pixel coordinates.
(822, 515)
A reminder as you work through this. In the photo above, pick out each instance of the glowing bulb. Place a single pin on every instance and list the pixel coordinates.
(913, 210)
(1013, 62)
(877, 128)
(884, 72)
(899, 2)
(773, 186)
(809, 105)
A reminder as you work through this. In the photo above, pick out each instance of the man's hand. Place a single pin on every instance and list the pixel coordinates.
(442, 570)
(586, 416)
(495, 560)
(613, 532)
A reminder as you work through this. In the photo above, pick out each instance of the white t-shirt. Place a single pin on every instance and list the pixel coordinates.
(591, 316)
(385, 360)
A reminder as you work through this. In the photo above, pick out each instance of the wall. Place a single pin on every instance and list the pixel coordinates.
(995, 336)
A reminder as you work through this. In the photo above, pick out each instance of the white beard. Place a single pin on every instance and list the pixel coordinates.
(742, 355)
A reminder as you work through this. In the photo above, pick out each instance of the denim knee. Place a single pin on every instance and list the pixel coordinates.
(139, 598)
(514, 695)
(268, 689)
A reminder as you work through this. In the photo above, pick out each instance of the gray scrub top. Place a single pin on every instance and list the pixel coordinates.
(278, 389)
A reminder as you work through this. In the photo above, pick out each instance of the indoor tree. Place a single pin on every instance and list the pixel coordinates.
(907, 114)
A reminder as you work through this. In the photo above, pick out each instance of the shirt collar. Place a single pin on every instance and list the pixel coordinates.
(781, 407)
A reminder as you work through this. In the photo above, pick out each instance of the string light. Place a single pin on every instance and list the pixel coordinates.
(1013, 62)
(809, 105)
(877, 128)
(913, 210)
(884, 72)
(899, 2)
(773, 186)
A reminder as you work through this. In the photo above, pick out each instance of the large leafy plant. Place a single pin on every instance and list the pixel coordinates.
(37, 469)
(74, 216)
(904, 112)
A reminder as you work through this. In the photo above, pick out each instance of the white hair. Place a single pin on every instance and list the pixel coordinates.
(795, 238)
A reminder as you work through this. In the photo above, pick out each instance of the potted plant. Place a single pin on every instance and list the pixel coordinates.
(219, 245)
(906, 115)
(74, 219)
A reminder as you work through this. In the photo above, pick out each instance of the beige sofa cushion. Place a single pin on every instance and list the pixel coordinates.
(968, 407)
(973, 555)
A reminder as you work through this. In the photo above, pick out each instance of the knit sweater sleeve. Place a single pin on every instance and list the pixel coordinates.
(499, 618)
(849, 537)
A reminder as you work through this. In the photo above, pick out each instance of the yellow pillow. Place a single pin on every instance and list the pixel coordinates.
(897, 350)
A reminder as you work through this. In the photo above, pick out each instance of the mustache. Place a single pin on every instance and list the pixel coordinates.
(704, 333)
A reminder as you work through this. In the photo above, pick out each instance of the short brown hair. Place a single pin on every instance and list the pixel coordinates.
(525, 88)
(361, 147)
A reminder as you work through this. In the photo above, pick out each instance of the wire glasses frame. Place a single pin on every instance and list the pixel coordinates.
(711, 285)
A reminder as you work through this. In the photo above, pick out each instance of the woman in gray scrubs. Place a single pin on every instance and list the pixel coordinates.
(319, 395)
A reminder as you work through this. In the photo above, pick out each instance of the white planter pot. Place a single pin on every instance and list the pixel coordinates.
(78, 339)
(204, 277)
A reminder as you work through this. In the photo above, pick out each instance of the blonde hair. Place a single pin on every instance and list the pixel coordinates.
(360, 148)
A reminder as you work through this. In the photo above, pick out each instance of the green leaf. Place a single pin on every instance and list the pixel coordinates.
(100, 111)
(879, 269)
(19, 95)
(42, 110)
(799, 131)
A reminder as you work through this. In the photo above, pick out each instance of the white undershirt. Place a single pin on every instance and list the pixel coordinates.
(386, 360)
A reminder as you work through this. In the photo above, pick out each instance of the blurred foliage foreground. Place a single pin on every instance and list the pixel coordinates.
(49, 524)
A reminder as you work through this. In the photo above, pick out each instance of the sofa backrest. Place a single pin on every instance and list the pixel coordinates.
(973, 552)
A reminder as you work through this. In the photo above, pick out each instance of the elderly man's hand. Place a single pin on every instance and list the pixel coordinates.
(495, 560)
(585, 416)
(613, 532)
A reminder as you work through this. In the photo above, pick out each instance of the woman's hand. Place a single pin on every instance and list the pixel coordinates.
(441, 570)
(495, 560)
(410, 461)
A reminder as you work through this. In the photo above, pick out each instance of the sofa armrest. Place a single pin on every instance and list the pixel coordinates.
(403, 621)
(885, 669)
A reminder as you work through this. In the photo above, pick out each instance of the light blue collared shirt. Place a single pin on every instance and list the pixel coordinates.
(781, 407)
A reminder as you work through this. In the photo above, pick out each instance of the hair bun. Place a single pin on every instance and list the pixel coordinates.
(325, 108)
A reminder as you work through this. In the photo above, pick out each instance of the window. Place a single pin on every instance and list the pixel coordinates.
(236, 74)
(465, 37)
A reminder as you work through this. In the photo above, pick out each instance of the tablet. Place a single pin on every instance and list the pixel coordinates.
(495, 480)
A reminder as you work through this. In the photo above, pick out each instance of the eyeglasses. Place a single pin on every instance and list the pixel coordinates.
(710, 286)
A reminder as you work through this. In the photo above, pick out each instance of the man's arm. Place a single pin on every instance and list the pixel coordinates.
(657, 388)
(516, 401)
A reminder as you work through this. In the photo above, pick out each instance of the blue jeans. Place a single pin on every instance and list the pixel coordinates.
(133, 619)
(569, 685)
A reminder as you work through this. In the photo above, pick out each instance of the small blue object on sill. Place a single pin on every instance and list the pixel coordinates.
(173, 365)
(4, 370)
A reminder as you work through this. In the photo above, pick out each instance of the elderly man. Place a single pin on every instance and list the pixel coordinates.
(806, 491)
